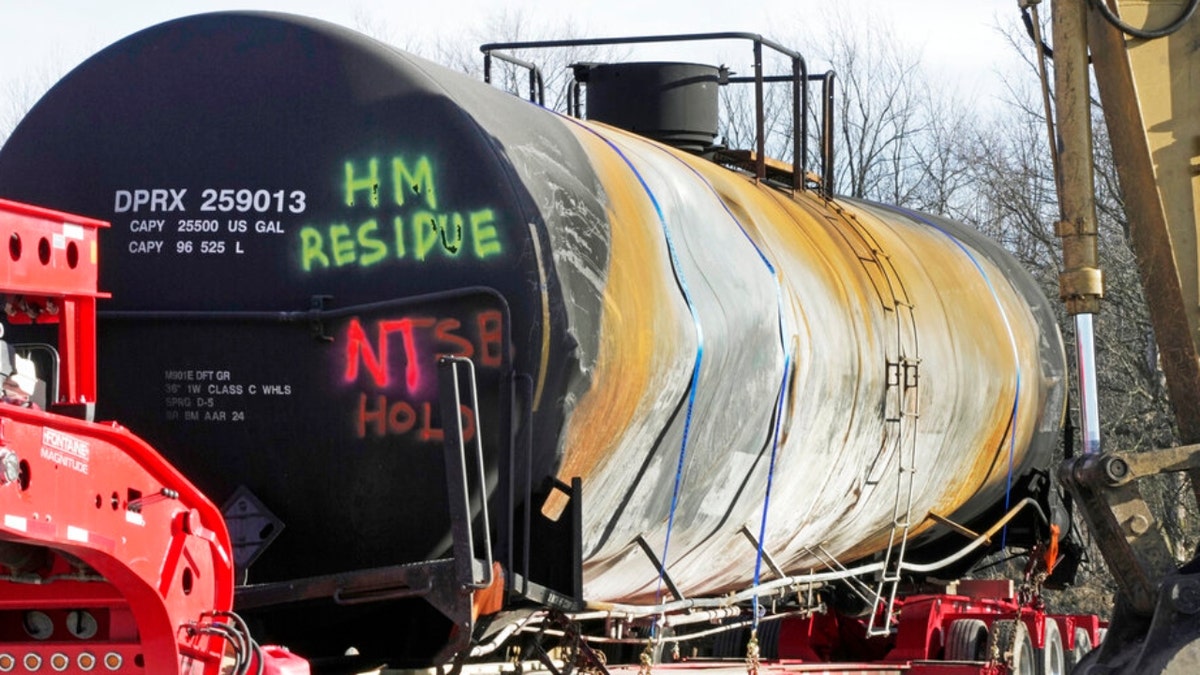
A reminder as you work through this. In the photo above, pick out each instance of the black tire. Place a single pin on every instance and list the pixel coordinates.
(967, 640)
(1051, 659)
(1011, 640)
(1083, 645)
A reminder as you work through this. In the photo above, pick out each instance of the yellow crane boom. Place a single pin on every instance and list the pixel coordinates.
(1144, 54)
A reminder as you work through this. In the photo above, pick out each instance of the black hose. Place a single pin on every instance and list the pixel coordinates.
(260, 656)
(246, 642)
(1146, 34)
(241, 650)
(1047, 51)
(1028, 20)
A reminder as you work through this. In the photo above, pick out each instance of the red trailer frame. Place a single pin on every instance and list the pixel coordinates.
(109, 558)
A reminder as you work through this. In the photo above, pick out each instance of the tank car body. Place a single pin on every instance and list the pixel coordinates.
(304, 218)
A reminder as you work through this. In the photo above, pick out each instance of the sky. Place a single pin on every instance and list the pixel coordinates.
(958, 40)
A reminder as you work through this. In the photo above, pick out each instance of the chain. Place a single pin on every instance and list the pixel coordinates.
(514, 660)
(994, 641)
(647, 658)
(752, 654)
(592, 661)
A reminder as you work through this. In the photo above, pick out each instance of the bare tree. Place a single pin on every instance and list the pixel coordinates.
(19, 94)
(380, 28)
(879, 114)
(897, 139)
(942, 180)
(738, 126)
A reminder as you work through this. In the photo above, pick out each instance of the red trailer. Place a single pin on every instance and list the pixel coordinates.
(112, 561)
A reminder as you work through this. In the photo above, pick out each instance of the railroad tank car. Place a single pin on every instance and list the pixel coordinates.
(303, 219)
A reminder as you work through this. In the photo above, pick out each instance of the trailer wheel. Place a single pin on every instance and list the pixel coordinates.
(1052, 661)
(967, 640)
(1011, 641)
(1083, 645)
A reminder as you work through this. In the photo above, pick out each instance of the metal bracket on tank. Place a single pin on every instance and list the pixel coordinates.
(662, 571)
(959, 528)
(766, 555)
(316, 308)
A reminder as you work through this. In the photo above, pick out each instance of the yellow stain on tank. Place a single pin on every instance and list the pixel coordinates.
(640, 311)
(892, 290)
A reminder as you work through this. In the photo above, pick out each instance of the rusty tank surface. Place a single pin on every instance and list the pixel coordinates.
(304, 219)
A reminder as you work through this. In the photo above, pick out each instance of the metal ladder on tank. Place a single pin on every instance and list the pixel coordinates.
(902, 410)
(901, 406)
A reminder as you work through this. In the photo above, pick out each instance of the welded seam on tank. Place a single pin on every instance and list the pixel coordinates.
(1012, 433)
(787, 360)
(677, 269)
